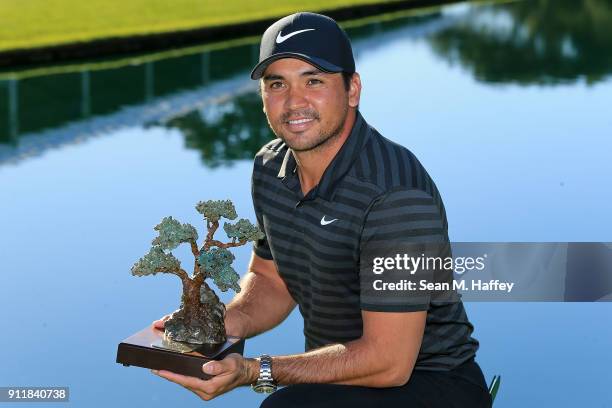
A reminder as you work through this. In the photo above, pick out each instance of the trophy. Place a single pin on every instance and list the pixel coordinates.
(195, 333)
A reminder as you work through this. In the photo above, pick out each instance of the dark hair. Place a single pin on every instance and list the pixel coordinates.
(346, 77)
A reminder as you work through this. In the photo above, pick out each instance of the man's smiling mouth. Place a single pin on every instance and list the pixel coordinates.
(299, 121)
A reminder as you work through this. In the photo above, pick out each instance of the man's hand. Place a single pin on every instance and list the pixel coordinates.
(159, 324)
(231, 372)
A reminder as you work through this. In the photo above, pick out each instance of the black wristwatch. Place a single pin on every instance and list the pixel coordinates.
(265, 382)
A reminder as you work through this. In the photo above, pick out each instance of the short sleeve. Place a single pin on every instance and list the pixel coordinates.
(404, 229)
(260, 246)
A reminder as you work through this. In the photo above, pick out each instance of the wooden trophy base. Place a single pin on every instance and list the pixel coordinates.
(150, 348)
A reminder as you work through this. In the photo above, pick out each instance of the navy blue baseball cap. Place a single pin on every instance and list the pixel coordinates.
(311, 37)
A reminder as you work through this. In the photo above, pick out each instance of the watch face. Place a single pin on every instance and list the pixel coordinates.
(264, 387)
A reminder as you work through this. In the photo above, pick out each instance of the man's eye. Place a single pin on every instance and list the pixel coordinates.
(314, 81)
(276, 85)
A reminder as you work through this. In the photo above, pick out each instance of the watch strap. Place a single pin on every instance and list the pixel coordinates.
(265, 368)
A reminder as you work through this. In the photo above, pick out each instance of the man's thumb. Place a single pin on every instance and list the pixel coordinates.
(212, 368)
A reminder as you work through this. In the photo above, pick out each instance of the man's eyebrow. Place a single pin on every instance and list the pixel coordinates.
(312, 72)
(271, 77)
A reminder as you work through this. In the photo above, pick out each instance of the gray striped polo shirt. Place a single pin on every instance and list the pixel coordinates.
(374, 194)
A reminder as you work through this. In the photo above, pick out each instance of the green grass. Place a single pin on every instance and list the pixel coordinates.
(38, 23)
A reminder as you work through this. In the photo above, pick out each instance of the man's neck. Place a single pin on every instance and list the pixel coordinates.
(312, 164)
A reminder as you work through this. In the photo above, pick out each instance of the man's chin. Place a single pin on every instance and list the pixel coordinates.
(300, 141)
(296, 146)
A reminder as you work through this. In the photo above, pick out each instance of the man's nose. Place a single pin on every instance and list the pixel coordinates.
(296, 98)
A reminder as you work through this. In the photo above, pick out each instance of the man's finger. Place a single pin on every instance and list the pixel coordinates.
(160, 323)
(204, 389)
(213, 368)
(216, 367)
(185, 381)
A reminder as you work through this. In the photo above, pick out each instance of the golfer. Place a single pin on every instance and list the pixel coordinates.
(332, 194)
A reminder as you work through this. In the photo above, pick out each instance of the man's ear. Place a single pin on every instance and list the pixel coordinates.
(260, 92)
(355, 90)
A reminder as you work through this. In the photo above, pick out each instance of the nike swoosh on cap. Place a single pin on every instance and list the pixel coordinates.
(280, 37)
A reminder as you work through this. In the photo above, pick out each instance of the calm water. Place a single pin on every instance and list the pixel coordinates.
(508, 107)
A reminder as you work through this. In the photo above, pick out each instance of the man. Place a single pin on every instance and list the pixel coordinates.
(327, 192)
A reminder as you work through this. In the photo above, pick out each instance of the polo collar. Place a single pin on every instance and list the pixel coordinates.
(337, 168)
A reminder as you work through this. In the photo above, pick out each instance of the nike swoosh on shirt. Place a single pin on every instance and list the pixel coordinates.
(280, 37)
(325, 222)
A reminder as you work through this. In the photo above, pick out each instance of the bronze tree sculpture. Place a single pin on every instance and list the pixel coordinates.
(200, 319)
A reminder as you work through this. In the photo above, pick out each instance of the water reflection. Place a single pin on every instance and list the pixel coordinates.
(532, 42)
(35, 104)
(225, 132)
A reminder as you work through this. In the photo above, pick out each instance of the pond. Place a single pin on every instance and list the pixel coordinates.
(506, 104)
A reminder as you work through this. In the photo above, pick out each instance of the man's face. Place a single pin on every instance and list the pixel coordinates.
(305, 106)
